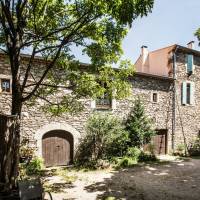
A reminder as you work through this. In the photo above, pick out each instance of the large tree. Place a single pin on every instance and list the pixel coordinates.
(52, 29)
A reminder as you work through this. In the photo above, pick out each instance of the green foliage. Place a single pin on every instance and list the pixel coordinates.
(126, 162)
(139, 126)
(55, 29)
(194, 148)
(34, 166)
(146, 157)
(105, 138)
(133, 152)
(180, 150)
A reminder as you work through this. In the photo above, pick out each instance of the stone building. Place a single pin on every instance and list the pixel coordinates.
(168, 81)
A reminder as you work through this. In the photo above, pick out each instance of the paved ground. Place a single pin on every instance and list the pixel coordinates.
(174, 180)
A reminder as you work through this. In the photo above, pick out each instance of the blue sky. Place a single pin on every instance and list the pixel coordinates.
(172, 21)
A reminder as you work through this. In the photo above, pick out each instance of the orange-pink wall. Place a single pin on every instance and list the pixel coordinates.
(157, 62)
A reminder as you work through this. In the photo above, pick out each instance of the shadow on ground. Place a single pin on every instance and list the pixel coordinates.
(166, 181)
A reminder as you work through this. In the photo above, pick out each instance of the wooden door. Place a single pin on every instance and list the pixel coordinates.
(160, 142)
(57, 148)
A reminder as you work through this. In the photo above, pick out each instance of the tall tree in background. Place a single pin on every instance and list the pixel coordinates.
(139, 126)
(51, 29)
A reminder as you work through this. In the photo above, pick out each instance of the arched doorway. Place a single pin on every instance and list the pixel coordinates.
(57, 148)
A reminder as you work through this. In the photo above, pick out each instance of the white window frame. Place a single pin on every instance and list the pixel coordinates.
(5, 77)
(192, 99)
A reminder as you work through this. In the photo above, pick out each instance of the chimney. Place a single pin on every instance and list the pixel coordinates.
(144, 54)
(191, 45)
(144, 50)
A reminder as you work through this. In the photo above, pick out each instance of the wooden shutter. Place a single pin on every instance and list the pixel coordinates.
(184, 92)
(192, 93)
(190, 65)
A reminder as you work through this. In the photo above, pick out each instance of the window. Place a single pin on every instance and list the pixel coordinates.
(190, 64)
(155, 97)
(187, 93)
(104, 102)
(5, 85)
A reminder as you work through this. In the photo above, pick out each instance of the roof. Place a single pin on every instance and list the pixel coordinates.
(158, 62)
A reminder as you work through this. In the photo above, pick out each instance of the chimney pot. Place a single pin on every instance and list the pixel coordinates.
(191, 45)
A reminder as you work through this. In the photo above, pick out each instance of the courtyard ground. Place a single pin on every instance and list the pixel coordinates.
(171, 180)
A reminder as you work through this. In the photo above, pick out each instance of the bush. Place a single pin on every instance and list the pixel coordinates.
(105, 138)
(146, 157)
(121, 162)
(180, 150)
(194, 148)
(133, 152)
(34, 166)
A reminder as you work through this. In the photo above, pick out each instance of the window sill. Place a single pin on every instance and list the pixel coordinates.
(188, 105)
(100, 107)
(7, 93)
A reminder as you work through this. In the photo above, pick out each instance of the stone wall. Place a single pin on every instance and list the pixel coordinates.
(35, 122)
(187, 116)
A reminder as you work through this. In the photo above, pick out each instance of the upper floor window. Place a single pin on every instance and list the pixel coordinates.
(187, 93)
(5, 85)
(104, 102)
(190, 64)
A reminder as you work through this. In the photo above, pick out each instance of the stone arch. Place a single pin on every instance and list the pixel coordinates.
(51, 127)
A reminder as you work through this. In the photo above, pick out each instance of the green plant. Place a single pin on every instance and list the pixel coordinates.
(105, 138)
(180, 150)
(146, 157)
(194, 148)
(133, 152)
(34, 166)
(125, 162)
(139, 126)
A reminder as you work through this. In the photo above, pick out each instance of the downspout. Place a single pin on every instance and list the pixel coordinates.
(174, 100)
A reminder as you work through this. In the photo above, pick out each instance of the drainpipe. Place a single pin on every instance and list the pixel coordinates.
(174, 100)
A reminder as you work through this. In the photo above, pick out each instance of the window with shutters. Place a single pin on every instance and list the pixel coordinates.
(5, 85)
(190, 64)
(188, 93)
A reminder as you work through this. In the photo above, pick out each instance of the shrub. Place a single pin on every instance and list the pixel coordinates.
(34, 166)
(194, 148)
(124, 162)
(105, 137)
(139, 126)
(127, 162)
(25, 152)
(180, 150)
(146, 157)
(133, 152)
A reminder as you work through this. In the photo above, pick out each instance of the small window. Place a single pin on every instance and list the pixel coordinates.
(155, 97)
(188, 94)
(104, 102)
(5, 85)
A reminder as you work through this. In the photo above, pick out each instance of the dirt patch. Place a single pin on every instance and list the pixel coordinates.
(174, 180)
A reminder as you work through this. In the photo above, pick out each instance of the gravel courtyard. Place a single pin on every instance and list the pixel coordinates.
(174, 180)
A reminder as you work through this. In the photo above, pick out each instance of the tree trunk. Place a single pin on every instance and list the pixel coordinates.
(9, 151)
